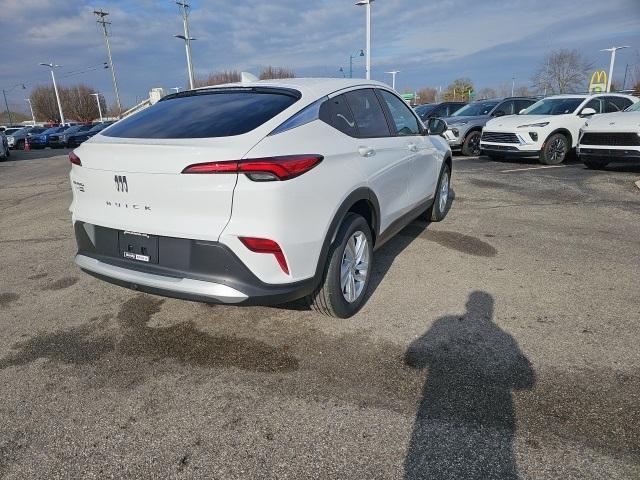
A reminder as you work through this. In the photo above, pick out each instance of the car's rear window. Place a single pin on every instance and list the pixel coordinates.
(206, 114)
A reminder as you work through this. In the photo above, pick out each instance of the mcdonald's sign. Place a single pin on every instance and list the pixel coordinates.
(598, 83)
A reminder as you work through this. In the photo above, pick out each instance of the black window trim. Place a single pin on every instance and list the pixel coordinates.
(367, 87)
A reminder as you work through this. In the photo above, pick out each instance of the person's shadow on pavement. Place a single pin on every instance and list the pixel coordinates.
(466, 423)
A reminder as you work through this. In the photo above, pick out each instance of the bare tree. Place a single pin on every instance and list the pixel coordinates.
(486, 92)
(427, 95)
(460, 89)
(218, 78)
(43, 101)
(78, 103)
(523, 91)
(562, 71)
(276, 72)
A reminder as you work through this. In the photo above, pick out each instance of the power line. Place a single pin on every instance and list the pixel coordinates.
(101, 14)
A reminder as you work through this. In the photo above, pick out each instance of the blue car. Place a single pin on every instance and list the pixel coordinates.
(41, 140)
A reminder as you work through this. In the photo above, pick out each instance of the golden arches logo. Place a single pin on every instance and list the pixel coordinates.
(598, 81)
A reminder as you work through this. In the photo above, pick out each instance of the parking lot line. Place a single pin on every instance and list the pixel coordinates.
(537, 168)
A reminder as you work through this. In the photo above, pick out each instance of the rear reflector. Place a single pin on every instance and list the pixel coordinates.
(261, 169)
(73, 158)
(264, 245)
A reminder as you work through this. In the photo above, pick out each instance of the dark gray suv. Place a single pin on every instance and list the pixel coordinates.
(465, 125)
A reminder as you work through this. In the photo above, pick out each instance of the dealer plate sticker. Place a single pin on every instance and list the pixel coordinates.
(136, 256)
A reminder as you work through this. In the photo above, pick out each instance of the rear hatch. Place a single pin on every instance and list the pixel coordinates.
(131, 175)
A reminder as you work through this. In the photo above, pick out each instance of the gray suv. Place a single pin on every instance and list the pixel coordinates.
(465, 126)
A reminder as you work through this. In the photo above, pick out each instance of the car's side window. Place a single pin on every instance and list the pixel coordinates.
(610, 106)
(522, 104)
(367, 113)
(405, 122)
(441, 111)
(596, 104)
(505, 107)
(621, 102)
(336, 113)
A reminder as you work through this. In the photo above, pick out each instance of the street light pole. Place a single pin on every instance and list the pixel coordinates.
(55, 88)
(184, 7)
(97, 95)
(351, 57)
(367, 3)
(513, 84)
(393, 78)
(33, 117)
(612, 63)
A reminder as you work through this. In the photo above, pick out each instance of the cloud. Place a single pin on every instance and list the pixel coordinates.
(430, 42)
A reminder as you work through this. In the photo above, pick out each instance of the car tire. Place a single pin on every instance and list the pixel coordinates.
(339, 279)
(595, 163)
(555, 149)
(442, 198)
(471, 144)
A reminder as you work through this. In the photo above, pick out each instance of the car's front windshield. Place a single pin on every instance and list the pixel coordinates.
(51, 130)
(73, 129)
(11, 131)
(476, 108)
(633, 108)
(20, 131)
(554, 106)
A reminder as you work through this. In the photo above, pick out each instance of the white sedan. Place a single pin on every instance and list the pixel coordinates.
(259, 192)
(549, 128)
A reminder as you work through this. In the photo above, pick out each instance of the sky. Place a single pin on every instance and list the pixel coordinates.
(430, 42)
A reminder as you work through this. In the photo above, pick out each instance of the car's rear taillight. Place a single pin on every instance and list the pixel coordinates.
(264, 245)
(261, 169)
(73, 158)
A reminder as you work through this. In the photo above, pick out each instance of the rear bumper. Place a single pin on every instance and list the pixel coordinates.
(194, 270)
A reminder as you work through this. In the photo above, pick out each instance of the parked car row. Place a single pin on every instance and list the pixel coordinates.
(54, 137)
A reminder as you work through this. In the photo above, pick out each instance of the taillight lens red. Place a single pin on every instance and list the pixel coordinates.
(264, 245)
(73, 158)
(261, 169)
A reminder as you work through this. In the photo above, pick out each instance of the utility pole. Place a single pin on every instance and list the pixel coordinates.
(624, 82)
(613, 51)
(513, 84)
(393, 78)
(101, 14)
(184, 10)
(6, 104)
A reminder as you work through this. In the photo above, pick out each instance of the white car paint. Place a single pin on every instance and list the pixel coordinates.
(613, 124)
(542, 125)
(402, 171)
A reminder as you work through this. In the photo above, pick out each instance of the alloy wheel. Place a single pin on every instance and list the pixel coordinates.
(355, 266)
(444, 192)
(557, 150)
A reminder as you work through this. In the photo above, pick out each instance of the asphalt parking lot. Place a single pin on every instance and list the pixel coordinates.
(501, 343)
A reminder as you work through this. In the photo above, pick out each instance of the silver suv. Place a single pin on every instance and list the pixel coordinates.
(464, 127)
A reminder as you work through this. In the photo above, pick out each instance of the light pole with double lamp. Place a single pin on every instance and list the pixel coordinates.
(367, 3)
(613, 51)
(55, 88)
(393, 77)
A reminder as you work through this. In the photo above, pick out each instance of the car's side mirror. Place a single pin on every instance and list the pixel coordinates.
(499, 113)
(436, 126)
(586, 112)
(521, 112)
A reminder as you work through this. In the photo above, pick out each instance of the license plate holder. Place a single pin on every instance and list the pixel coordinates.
(138, 247)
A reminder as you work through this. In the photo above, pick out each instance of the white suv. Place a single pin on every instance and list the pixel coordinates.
(257, 193)
(609, 138)
(549, 128)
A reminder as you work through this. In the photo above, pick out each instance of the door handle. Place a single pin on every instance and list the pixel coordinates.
(413, 147)
(366, 151)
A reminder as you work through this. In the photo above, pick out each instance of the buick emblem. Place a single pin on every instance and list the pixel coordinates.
(121, 183)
